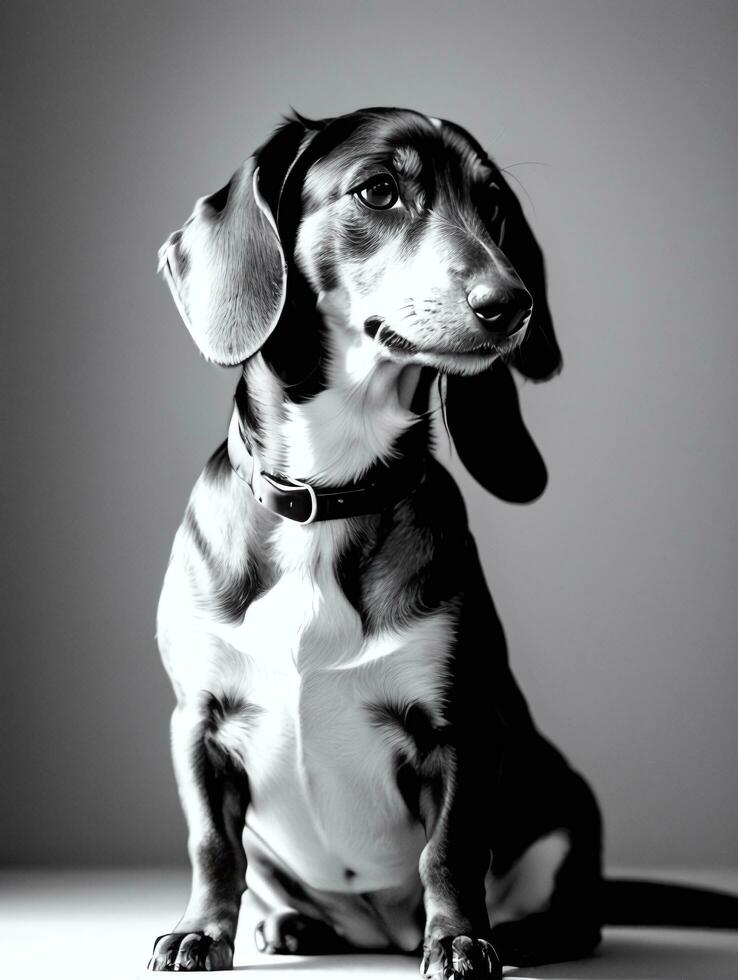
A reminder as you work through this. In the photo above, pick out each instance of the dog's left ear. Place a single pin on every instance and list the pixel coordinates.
(490, 436)
(226, 267)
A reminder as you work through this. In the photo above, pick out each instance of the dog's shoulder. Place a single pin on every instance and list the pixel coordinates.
(410, 560)
(217, 563)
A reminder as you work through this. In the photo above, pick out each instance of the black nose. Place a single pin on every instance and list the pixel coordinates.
(502, 311)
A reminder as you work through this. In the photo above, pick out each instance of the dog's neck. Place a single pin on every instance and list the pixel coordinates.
(370, 411)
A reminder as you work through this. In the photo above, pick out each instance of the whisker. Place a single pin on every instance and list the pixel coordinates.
(318, 364)
(522, 186)
(524, 163)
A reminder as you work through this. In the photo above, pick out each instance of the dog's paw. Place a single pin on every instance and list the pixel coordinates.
(289, 933)
(460, 956)
(190, 951)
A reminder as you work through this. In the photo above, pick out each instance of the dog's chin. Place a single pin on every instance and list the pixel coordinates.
(460, 359)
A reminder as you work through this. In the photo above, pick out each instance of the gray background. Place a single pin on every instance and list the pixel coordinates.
(616, 589)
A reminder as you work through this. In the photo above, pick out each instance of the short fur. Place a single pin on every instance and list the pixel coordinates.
(347, 724)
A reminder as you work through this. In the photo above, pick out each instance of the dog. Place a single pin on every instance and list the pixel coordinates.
(349, 740)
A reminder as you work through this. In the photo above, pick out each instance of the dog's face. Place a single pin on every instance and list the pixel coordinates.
(401, 214)
(404, 222)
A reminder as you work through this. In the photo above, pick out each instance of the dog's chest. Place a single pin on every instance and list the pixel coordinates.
(320, 761)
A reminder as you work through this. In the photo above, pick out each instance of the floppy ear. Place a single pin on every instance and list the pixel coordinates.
(490, 436)
(225, 267)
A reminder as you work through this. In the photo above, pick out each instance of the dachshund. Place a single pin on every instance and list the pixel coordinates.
(349, 741)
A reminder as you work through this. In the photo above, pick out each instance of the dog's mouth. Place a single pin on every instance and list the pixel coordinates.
(393, 341)
(388, 338)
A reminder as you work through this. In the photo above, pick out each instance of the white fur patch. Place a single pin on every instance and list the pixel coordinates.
(336, 436)
(321, 773)
(529, 885)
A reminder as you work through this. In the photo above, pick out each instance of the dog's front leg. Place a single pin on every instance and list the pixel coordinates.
(214, 798)
(453, 866)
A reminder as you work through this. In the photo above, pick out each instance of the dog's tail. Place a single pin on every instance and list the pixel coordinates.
(629, 902)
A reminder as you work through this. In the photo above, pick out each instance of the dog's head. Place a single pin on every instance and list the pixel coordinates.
(405, 224)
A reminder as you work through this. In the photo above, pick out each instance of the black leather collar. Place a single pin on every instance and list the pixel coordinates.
(298, 501)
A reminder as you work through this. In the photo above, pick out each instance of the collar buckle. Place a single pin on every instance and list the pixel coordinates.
(289, 500)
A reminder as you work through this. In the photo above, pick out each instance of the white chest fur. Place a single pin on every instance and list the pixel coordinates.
(321, 771)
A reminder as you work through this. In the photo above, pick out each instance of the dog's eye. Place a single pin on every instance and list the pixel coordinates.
(489, 202)
(379, 194)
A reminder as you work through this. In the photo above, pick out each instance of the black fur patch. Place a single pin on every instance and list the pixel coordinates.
(198, 538)
(229, 593)
(416, 772)
(409, 785)
(218, 710)
(294, 351)
(250, 419)
(413, 720)
(410, 560)
(219, 199)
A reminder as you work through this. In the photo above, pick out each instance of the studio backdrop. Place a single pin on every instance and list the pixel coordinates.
(616, 123)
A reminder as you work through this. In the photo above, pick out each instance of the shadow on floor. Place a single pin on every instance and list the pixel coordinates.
(652, 955)
(624, 955)
(359, 965)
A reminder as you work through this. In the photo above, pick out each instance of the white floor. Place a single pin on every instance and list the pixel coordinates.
(101, 924)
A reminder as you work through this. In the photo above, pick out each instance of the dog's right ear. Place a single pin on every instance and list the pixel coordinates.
(225, 267)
